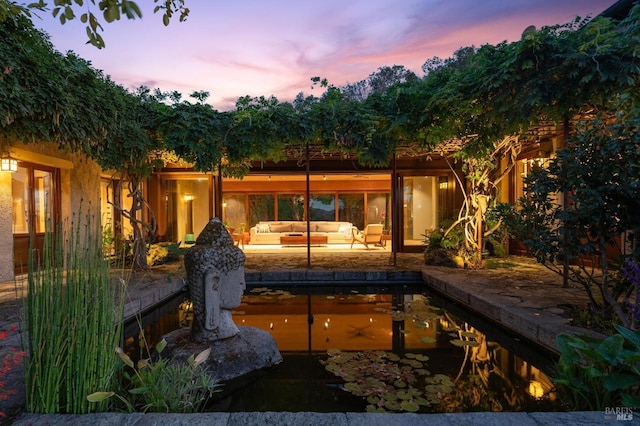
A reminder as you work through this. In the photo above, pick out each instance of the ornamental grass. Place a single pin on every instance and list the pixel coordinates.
(73, 320)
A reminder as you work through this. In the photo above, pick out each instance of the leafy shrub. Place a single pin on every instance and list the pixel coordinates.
(598, 373)
(157, 254)
(161, 386)
(445, 250)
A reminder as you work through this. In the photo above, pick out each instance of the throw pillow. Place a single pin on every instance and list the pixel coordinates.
(283, 227)
(346, 230)
(262, 228)
(328, 227)
(302, 227)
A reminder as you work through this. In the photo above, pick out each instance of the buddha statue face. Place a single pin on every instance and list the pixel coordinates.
(232, 286)
(223, 292)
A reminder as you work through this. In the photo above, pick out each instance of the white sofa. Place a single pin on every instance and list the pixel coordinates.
(269, 232)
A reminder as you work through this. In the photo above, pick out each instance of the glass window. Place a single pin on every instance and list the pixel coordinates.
(420, 207)
(234, 212)
(36, 195)
(290, 207)
(20, 191)
(126, 202)
(107, 213)
(42, 199)
(322, 207)
(378, 207)
(351, 209)
(187, 205)
(261, 207)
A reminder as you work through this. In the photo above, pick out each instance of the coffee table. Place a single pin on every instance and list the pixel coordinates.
(297, 240)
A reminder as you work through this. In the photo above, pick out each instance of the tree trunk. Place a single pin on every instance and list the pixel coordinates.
(139, 240)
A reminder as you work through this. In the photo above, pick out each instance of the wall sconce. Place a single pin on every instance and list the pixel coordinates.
(188, 197)
(8, 164)
(443, 182)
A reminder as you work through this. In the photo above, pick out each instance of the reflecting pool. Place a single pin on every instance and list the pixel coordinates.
(375, 349)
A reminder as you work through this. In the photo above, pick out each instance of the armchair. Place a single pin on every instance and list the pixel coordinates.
(235, 236)
(372, 234)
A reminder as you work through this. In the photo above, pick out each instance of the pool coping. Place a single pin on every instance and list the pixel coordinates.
(318, 419)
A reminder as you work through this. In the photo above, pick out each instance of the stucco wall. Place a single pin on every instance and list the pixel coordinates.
(6, 220)
(80, 192)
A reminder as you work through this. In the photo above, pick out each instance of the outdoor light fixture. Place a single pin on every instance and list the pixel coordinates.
(442, 183)
(8, 164)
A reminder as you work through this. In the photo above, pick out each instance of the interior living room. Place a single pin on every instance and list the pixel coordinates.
(268, 212)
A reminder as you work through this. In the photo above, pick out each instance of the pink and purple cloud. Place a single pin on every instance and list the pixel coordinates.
(263, 48)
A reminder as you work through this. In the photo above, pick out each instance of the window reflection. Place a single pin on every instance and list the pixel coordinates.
(20, 191)
(187, 206)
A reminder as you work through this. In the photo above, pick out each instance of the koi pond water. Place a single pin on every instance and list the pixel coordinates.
(375, 349)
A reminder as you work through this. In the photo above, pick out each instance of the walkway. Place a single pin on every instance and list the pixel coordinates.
(523, 296)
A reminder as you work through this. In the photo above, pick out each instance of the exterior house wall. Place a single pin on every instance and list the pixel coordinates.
(6, 221)
(79, 191)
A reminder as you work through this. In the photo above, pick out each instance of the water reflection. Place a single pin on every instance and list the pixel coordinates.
(485, 375)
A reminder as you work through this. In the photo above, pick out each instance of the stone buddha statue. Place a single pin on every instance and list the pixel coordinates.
(215, 277)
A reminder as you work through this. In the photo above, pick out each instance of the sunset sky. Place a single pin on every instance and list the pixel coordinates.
(274, 47)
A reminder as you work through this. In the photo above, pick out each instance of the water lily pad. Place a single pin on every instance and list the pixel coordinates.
(352, 387)
(398, 316)
(462, 343)
(409, 406)
(375, 409)
(390, 396)
(412, 362)
(427, 339)
(333, 368)
(408, 394)
(421, 401)
(392, 405)
(469, 334)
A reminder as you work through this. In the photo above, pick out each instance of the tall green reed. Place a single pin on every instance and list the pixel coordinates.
(73, 319)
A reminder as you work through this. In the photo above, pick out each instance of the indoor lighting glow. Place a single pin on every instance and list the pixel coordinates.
(535, 389)
(9, 164)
